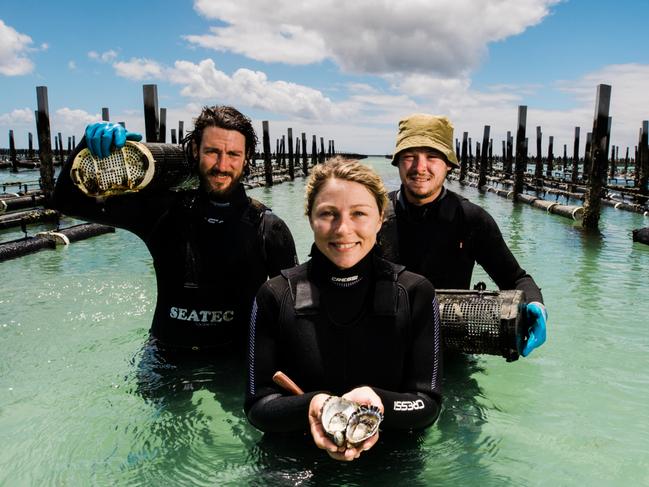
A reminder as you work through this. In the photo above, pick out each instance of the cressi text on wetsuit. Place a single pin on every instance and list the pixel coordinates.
(210, 257)
(443, 240)
(333, 330)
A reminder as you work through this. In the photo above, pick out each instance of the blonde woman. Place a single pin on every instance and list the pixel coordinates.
(346, 323)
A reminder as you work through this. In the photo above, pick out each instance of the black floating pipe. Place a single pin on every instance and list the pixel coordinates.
(49, 240)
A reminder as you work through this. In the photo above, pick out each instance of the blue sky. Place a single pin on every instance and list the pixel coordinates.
(341, 70)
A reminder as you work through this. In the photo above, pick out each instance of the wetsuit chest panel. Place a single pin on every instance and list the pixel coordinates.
(320, 355)
(437, 244)
(324, 355)
(207, 276)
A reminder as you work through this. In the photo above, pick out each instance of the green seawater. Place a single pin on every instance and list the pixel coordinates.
(73, 410)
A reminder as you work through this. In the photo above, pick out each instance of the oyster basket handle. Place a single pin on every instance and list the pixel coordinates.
(284, 381)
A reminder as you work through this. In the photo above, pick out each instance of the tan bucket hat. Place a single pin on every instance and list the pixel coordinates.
(423, 130)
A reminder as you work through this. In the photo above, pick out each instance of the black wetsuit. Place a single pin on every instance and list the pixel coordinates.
(210, 257)
(332, 331)
(443, 240)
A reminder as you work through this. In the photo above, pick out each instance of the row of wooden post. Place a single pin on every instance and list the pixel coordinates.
(596, 170)
(155, 131)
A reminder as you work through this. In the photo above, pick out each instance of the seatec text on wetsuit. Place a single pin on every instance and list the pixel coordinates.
(201, 317)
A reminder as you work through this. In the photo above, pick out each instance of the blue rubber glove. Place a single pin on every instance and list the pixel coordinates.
(536, 318)
(101, 136)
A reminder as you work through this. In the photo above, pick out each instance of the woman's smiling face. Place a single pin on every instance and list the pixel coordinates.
(345, 219)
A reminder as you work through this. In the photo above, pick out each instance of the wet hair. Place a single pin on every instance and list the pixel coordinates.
(347, 170)
(225, 117)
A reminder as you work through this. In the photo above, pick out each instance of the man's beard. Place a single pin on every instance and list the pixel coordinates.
(420, 195)
(222, 191)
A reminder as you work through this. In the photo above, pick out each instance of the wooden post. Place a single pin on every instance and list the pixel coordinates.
(181, 135)
(12, 152)
(507, 167)
(322, 152)
(151, 121)
(305, 165)
(611, 173)
(638, 159)
(291, 167)
(521, 152)
(538, 170)
(490, 155)
(297, 150)
(597, 176)
(549, 168)
(333, 149)
(268, 164)
(642, 163)
(276, 152)
(470, 154)
(174, 140)
(575, 161)
(482, 175)
(608, 134)
(464, 158)
(30, 142)
(45, 144)
(105, 115)
(60, 139)
(70, 148)
(565, 156)
(162, 132)
(587, 156)
(314, 151)
(626, 162)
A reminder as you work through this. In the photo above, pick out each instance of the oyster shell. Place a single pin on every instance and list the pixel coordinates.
(363, 424)
(335, 416)
(347, 422)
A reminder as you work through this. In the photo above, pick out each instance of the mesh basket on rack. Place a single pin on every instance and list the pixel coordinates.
(131, 168)
(488, 322)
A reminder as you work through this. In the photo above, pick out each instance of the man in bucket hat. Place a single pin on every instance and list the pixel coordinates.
(440, 234)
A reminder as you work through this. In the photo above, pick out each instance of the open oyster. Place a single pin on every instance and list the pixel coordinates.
(348, 422)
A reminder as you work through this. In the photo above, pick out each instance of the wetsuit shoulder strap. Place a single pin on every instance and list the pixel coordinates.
(254, 212)
(459, 217)
(255, 215)
(389, 234)
(386, 291)
(306, 298)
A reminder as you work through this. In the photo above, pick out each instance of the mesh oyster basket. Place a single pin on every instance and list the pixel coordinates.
(132, 168)
(482, 322)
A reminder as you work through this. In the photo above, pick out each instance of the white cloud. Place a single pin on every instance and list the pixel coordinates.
(629, 99)
(139, 69)
(205, 83)
(14, 48)
(446, 37)
(72, 65)
(304, 47)
(104, 57)
(19, 116)
(497, 106)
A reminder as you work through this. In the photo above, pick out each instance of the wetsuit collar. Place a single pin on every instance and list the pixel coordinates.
(322, 270)
(419, 213)
(237, 197)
